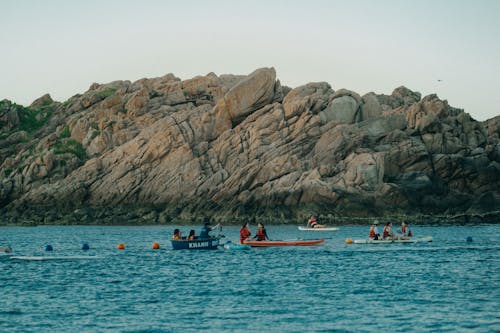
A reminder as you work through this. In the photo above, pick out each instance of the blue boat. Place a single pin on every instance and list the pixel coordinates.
(197, 244)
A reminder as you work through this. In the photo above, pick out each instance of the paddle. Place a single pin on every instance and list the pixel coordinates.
(220, 235)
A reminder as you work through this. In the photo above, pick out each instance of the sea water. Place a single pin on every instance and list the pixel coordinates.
(449, 285)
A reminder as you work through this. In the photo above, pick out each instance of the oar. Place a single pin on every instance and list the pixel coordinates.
(220, 235)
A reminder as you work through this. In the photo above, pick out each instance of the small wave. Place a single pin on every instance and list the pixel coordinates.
(11, 312)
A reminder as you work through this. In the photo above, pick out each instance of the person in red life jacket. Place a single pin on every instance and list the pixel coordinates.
(387, 232)
(405, 230)
(244, 232)
(191, 235)
(374, 231)
(261, 233)
(313, 223)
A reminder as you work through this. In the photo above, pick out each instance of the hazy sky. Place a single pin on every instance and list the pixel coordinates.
(62, 47)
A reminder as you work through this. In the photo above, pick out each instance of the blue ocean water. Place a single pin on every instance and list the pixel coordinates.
(449, 285)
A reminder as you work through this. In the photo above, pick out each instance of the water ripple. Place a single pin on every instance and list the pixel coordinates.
(447, 286)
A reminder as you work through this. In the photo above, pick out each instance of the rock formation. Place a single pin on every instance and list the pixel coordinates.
(234, 147)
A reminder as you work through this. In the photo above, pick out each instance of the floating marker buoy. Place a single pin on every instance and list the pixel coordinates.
(468, 239)
(121, 246)
(349, 241)
(48, 247)
(156, 246)
(85, 247)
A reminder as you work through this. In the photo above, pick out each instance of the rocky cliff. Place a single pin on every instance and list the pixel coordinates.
(231, 147)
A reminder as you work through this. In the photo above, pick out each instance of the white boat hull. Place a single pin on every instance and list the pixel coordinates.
(318, 229)
(42, 258)
(387, 241)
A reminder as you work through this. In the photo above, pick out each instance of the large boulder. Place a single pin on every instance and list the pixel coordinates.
(248, 95)
(405, 96)
(370, 108)
(342, 110)
(312, 97)
(9, 117)
(41, 102)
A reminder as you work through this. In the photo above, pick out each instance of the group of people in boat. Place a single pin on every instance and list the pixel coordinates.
(245, 233)
(387, 232)
(261, 234)
(204, 233)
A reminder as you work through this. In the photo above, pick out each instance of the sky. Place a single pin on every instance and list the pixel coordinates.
(447, 47)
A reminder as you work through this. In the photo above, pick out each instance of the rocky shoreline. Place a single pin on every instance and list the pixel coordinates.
(155, 216)
(236, 147)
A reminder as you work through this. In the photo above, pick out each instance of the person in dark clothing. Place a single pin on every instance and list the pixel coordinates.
(261, 233)
(205, 230)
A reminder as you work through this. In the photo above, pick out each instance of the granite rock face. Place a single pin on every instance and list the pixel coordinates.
(229, 146)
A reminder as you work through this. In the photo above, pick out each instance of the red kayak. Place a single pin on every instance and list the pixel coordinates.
(290, 242)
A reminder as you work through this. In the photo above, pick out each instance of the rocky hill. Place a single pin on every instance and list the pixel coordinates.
(231, 147)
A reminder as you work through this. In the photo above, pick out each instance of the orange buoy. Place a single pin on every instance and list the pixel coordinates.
(121, 246)
(349, 241)
(156, 246)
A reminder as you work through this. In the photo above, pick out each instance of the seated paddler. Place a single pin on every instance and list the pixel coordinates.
(207, 228)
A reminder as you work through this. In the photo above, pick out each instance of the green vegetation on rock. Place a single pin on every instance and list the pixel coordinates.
(67, 103)
(70, 146)
(106, 93)
(7, 172)
(65, 133)
(30, 120)
(94, 134)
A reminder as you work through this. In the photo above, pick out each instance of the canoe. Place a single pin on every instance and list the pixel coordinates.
(318, 229)
(236, 247)
(289, 242)
(197, 244)
(387, 241)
